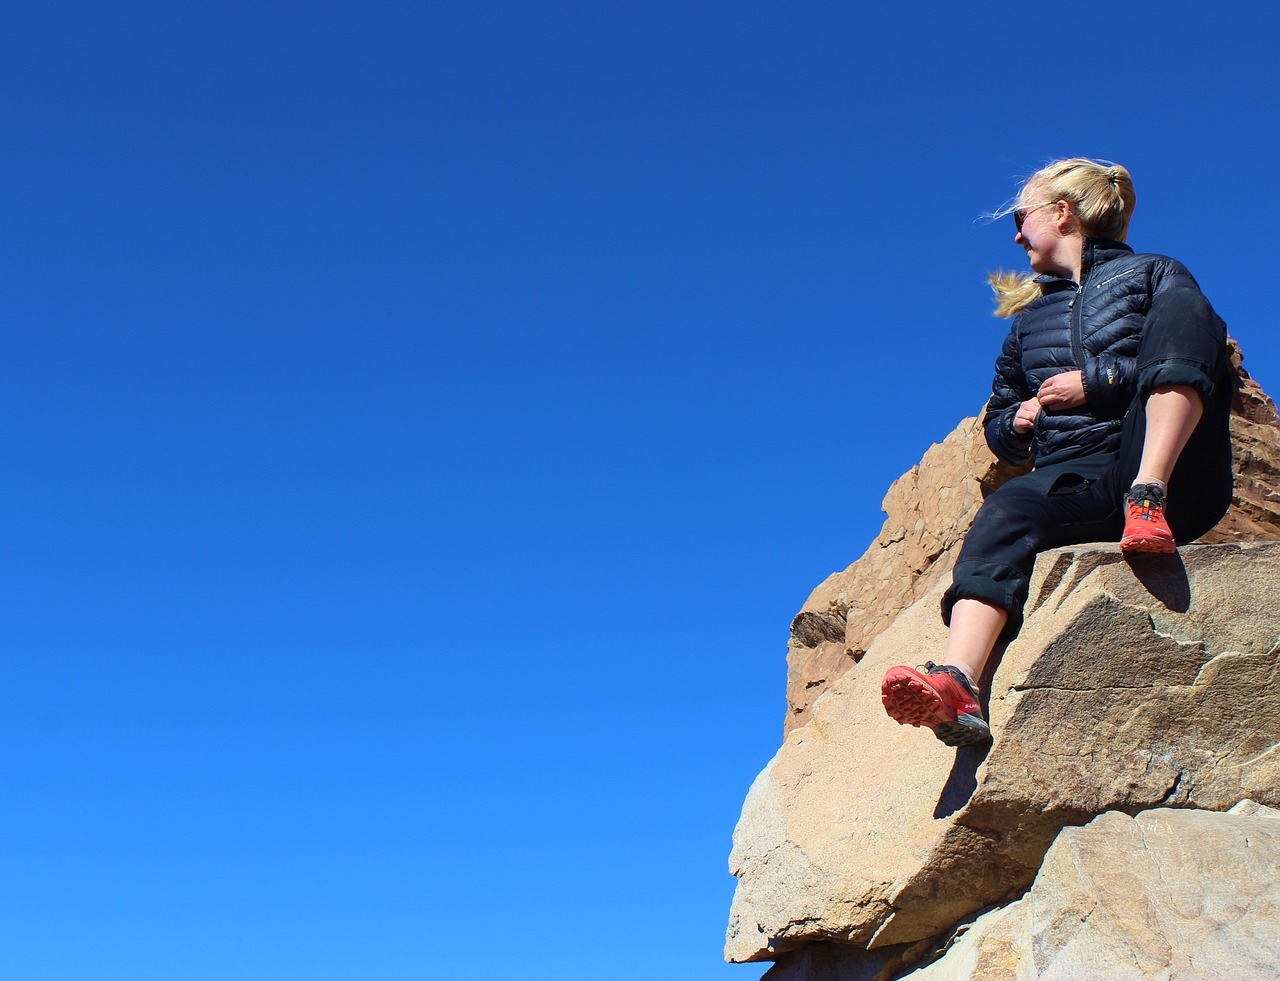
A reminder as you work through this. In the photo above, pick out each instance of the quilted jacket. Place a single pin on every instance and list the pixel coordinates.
(1094, 327)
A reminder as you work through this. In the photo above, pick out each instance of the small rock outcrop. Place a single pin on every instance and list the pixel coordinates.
(1139, 687)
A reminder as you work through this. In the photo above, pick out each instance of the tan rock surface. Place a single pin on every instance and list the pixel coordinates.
(1170, 894)
(929, 509)
(1133, 685)
(1255, 515)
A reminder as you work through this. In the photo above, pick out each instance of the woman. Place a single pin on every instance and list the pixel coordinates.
(1114, 381)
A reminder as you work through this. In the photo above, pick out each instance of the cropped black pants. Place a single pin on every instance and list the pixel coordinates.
(1083, 500)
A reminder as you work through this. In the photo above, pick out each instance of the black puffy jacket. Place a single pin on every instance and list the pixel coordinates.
(1093, 327)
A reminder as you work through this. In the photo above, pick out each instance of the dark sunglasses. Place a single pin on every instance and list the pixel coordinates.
(1020, 214)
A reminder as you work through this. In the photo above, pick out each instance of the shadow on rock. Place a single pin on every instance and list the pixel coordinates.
(1165, 578)
(962, 781)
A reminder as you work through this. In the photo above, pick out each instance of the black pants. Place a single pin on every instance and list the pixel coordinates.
(1183, 343)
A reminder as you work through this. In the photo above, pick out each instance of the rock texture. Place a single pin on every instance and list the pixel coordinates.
(1134, 684)
(1165, 894)
(929, 509)
(1255, 439)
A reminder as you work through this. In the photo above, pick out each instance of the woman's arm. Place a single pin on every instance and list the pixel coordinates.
(1111, 380)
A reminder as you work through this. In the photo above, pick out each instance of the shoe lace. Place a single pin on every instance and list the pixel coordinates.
(1147, 497)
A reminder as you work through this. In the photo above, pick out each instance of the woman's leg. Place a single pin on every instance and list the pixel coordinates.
(988, 588)
(976, 625)
(1173, 412)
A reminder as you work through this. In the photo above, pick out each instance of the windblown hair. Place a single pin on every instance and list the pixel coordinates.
(1102, 198)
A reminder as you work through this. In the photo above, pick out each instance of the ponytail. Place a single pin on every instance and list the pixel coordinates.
(1013, 291)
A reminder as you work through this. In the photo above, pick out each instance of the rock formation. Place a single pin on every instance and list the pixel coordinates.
(1136, 686)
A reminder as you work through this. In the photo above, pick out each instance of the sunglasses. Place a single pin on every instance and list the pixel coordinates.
(1020, 214)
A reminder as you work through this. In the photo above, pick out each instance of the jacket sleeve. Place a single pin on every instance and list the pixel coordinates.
(1110, 381)
(1170, 274)
(1177, 300)
(1109, 384)
(1008, 392)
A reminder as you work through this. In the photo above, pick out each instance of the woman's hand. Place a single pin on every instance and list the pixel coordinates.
(1064, 391)
(1025, 418)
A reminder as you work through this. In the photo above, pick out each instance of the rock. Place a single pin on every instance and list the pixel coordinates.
(929, 509)
(1251, 808)
(1165, 894)
(1134, 684)
(1255, 437)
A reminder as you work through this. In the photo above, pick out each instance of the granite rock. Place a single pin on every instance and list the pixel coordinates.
(1135, 683)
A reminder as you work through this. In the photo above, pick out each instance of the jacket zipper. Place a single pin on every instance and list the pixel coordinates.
(1077, 315)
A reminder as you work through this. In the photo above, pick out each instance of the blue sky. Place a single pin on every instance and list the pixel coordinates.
(422, 421)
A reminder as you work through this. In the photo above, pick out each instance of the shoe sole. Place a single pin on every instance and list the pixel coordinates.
(909, 701)
(1159, 546)
(967, 730)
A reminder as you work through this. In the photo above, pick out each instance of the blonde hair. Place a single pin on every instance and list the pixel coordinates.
(1102, 198)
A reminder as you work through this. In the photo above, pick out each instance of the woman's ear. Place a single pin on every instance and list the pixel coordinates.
(1064, 216)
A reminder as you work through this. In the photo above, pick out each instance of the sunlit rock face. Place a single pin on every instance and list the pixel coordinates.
(1136, 684)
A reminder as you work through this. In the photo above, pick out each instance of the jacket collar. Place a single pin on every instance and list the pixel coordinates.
(1099, 250)
(1095, 252)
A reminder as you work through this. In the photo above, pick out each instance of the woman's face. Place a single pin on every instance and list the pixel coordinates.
(1051, 242)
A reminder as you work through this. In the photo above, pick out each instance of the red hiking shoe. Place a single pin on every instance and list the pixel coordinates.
(942, 699)
(1145, 527)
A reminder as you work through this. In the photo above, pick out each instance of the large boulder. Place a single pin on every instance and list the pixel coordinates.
(1165, 894)
(1135, 683)
(929, 509)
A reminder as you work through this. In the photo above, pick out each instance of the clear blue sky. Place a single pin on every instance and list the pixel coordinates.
(421, 422)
